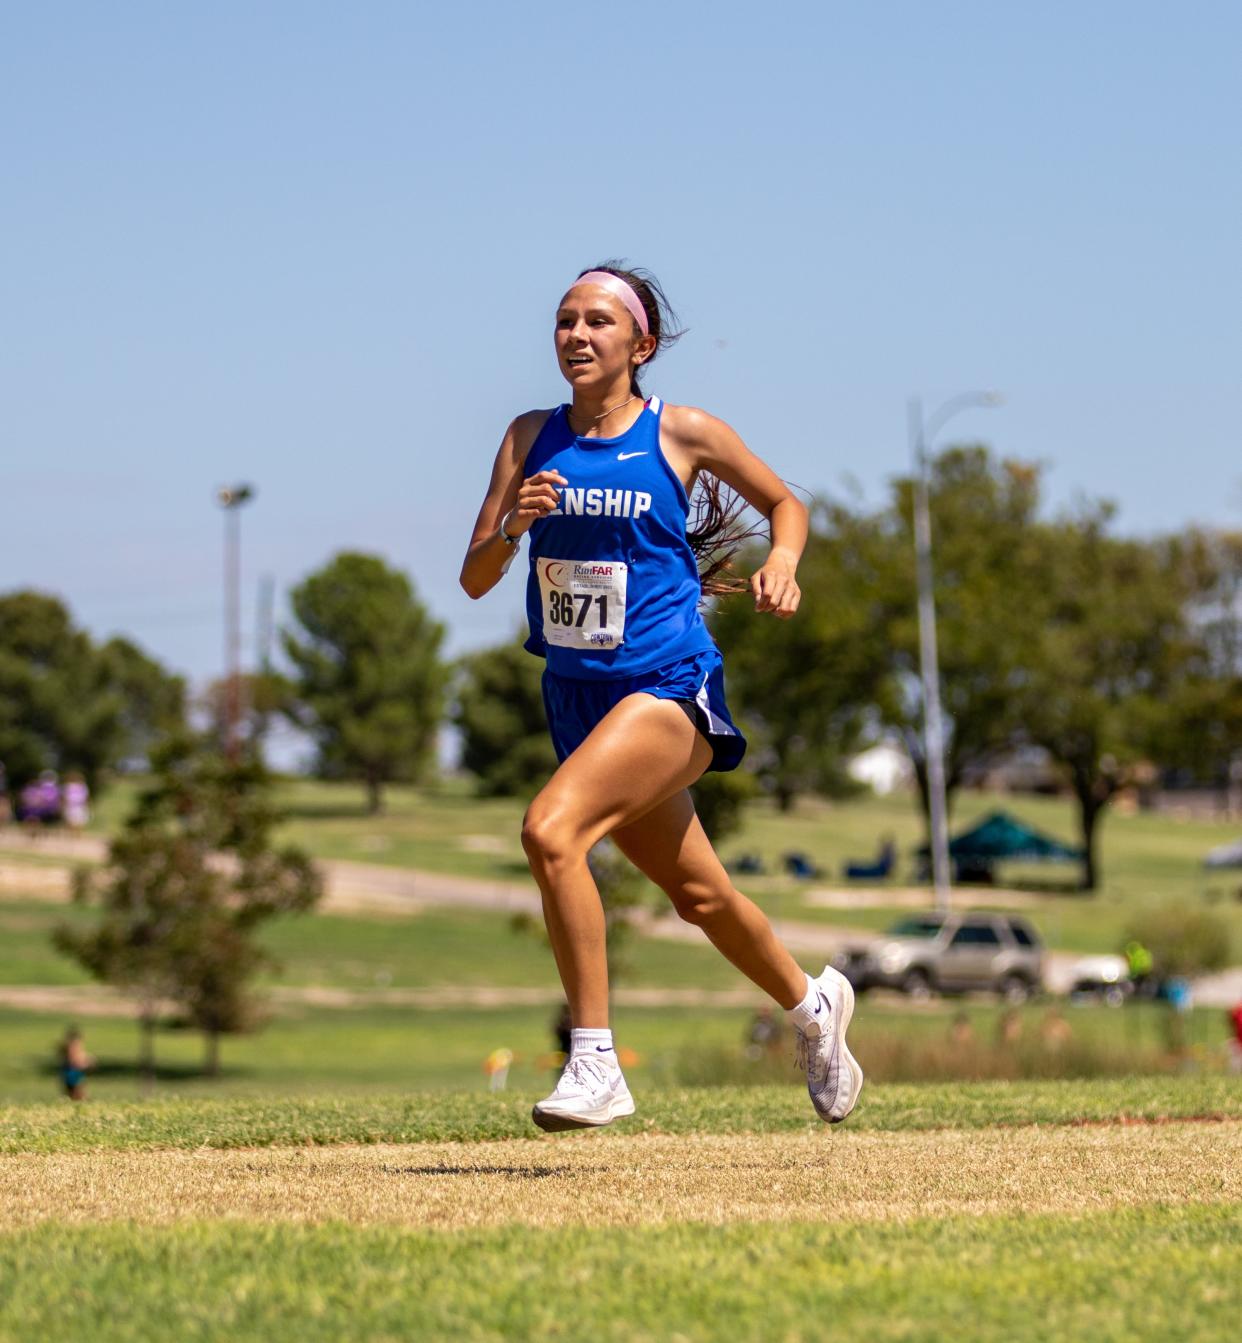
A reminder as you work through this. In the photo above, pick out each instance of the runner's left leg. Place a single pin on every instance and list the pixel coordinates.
(669, 846)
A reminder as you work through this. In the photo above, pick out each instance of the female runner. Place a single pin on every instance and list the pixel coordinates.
(634, 684)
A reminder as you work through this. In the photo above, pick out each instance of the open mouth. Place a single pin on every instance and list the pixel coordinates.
(575, 360)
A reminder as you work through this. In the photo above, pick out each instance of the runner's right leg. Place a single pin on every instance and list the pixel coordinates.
(640, 753)
(642, 750)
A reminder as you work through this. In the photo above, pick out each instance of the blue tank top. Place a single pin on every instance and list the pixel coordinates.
(614, 586)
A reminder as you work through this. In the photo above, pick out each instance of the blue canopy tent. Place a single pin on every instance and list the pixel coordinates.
(1000, 836)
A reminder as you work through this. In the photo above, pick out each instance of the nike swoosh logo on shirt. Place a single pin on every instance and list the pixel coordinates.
(625, 456)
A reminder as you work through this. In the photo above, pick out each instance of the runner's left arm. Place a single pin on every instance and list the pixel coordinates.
(711, 445)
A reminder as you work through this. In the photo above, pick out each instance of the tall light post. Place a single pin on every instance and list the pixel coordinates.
(231, 498)
(922, 436)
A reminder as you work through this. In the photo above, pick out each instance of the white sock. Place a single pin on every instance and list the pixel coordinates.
(811, 1013)
(597, 1043)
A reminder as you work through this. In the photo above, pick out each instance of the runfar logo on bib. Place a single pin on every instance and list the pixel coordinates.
(563, 573)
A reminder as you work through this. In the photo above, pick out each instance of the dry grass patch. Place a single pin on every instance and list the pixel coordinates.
(619, 1180)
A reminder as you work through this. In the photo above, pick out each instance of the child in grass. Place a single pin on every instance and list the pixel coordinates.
(74, 1062)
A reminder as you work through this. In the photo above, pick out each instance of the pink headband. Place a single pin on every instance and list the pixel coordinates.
(618, 288)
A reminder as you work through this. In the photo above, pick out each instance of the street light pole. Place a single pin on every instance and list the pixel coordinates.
(922, 434)
(231, 499)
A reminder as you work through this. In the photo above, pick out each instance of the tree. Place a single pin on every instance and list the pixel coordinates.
(190, 878)
(153, 700)
(719, 800)
(68, 704)
(59, 705)
(1204, 739)
(807, 685)
(369, 684)
(1113, 641)
(987, 577)
(259, 696)
(504, 728)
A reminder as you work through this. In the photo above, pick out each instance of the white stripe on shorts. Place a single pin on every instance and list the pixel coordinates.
(716, 727)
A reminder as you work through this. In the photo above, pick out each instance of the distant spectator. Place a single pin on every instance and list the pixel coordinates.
(40, 800)
(562, 1028)
(1235, 1045)
(1009, 1028)
(764, 1036)
(1180, 998)
(74, 1063)
(1139, 965)
(77, 802)
(961, 1032)
(6, 806)
(1054, 1031)
(496, 1066)
(1179, 994)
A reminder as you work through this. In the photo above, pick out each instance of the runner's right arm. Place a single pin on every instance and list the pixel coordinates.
(510, 500)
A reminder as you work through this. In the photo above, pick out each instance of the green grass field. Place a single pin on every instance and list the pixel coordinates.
(1115, 1277)
(308, 1049)
(1145, 859)
(423, 949)
(337, 1016)
(430, 828)
(1108, 1210)
(350, 1116)
(349, 1175)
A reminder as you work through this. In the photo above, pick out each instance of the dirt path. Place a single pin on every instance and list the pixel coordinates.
(353, 888)
(617, 1178)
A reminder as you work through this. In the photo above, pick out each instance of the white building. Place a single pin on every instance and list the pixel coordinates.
(885, 768)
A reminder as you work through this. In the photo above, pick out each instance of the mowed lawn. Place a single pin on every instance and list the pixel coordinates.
(1092, 1210)
(349, 1175)
(1145, 859)
(419, 1002)
(306, 1050)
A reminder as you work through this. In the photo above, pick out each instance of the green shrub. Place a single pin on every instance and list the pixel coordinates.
(1184, 939)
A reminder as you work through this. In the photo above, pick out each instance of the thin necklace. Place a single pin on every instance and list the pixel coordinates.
(595, 419)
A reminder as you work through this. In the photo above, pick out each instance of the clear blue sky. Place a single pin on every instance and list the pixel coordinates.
(317, 247)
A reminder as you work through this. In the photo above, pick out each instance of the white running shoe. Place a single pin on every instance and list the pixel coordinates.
(833, 1076)
(591, 1092)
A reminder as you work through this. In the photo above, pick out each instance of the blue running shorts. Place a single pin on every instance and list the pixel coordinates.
(574, 705)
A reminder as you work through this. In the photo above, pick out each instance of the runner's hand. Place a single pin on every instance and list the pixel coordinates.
(538, 496)
(775, 588)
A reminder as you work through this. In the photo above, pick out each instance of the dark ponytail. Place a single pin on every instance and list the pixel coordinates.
(716, 530)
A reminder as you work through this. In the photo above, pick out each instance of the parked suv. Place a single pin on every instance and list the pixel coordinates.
(950, 953)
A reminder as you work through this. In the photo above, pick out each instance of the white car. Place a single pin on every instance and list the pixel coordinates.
(951, 953)
(1106, 977)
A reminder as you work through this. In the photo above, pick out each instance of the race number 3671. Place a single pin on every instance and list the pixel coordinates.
(583, 602)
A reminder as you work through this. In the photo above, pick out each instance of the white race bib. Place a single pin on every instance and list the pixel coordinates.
(583, 602)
